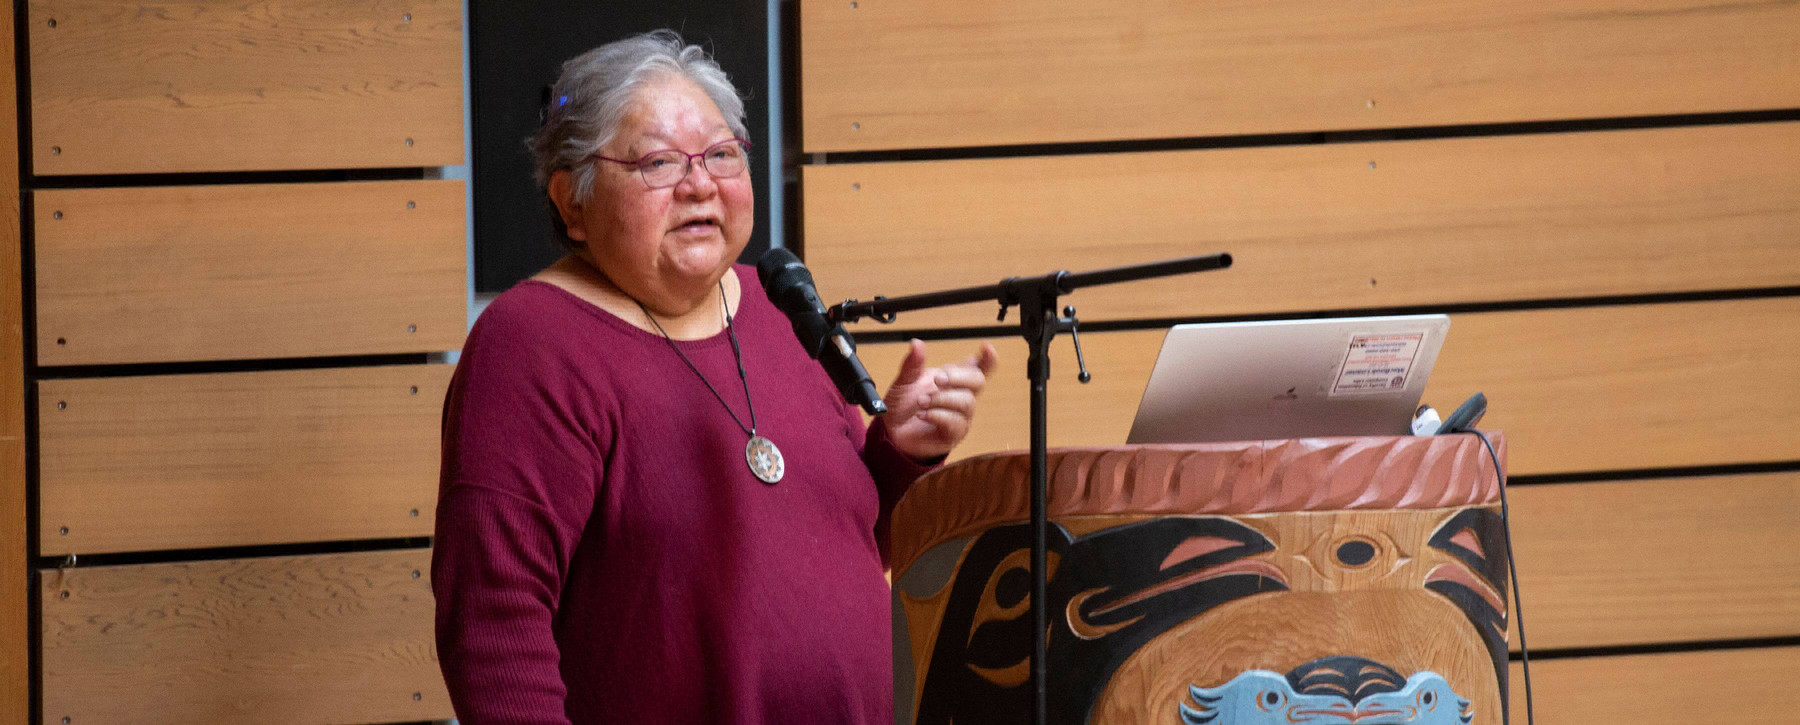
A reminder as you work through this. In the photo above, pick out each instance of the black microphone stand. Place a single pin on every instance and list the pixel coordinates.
(1036, 298)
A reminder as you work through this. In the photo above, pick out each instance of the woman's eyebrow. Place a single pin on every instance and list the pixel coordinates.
(663, 142)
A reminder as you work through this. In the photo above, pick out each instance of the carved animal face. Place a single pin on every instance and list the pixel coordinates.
(1332, 691)
(1131, 602)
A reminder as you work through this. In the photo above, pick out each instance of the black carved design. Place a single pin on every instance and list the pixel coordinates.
(1111, 585)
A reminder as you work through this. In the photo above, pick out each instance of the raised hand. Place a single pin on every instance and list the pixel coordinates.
(929, 408)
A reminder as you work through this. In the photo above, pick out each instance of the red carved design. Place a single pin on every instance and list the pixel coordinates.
(1466, 539)
(1195, 548)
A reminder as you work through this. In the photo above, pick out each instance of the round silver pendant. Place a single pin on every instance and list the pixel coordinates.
(764, 459)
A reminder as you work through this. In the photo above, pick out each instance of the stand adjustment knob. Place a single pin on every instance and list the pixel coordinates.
(1074, 325)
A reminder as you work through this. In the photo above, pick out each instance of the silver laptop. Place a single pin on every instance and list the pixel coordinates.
(1289, 379)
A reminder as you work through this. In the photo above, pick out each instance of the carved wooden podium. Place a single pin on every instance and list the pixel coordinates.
(1331, 580)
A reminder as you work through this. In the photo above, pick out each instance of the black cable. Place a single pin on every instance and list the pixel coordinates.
(1512, 567)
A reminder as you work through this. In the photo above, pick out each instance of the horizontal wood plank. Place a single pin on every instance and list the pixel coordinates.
(204, 85)
(233, 459)
(879, 74)
(1716, 687)
(1658, 561)
(311, 639)
(1321, 227)
(155, 274)
(1579, 389)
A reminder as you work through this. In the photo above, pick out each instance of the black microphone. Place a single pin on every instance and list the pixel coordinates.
(790, 287)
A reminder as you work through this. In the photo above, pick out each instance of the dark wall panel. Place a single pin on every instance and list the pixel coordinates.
(517, 49)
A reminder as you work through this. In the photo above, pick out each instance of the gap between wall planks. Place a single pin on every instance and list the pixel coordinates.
(1325, 227)
(881, 74)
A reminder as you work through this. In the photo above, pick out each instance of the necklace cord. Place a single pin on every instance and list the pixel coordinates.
(736, 354)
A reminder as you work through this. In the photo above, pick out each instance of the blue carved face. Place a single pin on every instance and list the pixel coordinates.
(1260, 697)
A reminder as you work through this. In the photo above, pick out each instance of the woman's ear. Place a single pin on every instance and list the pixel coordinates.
(562, 194)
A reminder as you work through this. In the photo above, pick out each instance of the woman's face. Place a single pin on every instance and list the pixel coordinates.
(665, 247)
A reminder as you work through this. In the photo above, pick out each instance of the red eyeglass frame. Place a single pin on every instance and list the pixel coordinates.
(687, 162)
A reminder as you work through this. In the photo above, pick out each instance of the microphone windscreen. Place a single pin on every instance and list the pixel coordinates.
(778, 262)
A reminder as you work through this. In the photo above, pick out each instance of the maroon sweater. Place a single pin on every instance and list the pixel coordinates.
(604, 555)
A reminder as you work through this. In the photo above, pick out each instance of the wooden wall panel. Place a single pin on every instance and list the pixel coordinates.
(209, 85)
(1659, 561)
(879, 74)
(228, 459)
(1580, 389)
(15, 634)
(158, 274)
(310, 639)
(1322, 227)
(1721, 687)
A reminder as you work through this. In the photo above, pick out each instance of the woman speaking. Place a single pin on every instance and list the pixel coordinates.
(654, 507)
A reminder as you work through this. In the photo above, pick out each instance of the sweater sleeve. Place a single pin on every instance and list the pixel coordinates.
(521, 465)
(893, 471)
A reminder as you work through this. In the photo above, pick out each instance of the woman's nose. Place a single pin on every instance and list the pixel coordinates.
(699, 183)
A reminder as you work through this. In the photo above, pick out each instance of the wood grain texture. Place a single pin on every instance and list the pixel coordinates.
(215, 85)
(1659, 561)
(1721, 687)
(880, 74)
(310, 639)
(154, 274)
(1320, 227)
(1579, 389)
(231, 459)
(15, 634)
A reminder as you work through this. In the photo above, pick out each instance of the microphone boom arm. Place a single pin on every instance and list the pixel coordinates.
(1014, 291)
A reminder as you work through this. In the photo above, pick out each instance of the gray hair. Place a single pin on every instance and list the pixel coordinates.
(596, 88)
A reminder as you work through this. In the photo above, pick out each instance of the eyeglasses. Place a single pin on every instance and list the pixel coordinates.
(666, 168)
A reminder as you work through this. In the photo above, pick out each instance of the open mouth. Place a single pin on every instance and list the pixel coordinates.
(694, 226)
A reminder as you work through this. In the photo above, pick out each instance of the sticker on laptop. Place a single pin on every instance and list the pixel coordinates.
(1378, 363)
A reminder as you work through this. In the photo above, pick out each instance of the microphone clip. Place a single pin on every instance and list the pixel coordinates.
(837, 317)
